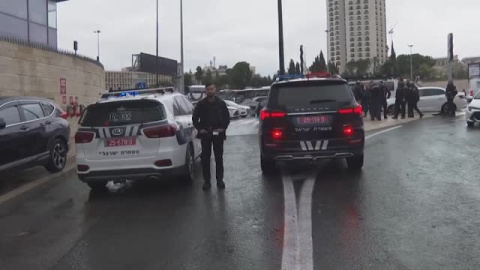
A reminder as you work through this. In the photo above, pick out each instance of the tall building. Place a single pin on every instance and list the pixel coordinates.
(356, 31)
(33, 21)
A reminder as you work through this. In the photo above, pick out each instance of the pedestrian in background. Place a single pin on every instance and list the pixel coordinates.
(400, 100)
(358, 92)
(365, 99)
(450, 93)
(413, 97)
(386, 94)
(376, 102)
(211, 118)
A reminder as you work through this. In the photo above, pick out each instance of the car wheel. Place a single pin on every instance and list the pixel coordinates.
(268, 165)
(58, 156)
(189, 169)
(98, 186)
(470, 124)
(355, 163)
(391, 110)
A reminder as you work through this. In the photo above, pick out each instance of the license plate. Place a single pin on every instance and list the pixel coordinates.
(121, 142)
(311, 120)
(120, 116)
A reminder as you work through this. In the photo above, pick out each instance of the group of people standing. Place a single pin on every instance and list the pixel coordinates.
(373, 98)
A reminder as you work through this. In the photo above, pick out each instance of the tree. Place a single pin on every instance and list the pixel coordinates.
(362, 67)
(188, 77)
(389, 68)
(291, 67)
(351, 67)
(403, 65)
(199, 75)
(323, 64)
(332, 68)
(208, 77)
(297, 68)
(240, 75)
(222, 81)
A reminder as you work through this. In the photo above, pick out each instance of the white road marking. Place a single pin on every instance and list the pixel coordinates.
(297, 251)
(19, 191)
(381, 132)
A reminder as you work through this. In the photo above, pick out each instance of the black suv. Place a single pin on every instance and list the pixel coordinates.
(33, 131)
(310, 119)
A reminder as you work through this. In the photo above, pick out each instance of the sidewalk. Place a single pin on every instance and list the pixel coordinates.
(373, 125)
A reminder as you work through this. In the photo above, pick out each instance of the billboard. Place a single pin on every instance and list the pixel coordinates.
(474, 70)
(147, 63)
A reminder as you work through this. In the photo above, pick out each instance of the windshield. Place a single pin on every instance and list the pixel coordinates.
(478, 95)
(122, 113)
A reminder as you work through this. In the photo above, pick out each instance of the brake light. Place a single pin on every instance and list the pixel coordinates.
(264, 114)
(319, 75)
(163, 163)
(84, 137)
(348, 131)
(357, 110)
(471, 93)
(160, 131)
(82, 168)
(63, 114)
(277, 134)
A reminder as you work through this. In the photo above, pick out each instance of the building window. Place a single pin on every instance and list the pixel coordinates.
(52, 14)
(352, 55)
(352, 45)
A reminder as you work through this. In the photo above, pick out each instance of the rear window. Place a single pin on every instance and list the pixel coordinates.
(123, 113)
(305, 96)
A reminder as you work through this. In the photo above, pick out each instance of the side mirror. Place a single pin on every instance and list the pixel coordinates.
(3, 124)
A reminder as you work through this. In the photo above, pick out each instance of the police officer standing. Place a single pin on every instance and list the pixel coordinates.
(211, 118)
(413, 96)
(451, 92)
(365, 99)
(376, 102)
(400, 99)
(358, 92)
(386, 94)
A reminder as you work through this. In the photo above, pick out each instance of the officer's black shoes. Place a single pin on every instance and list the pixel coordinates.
(421, 116)
(395, 117)
(207, 185)
(220, 184)
(385, 117)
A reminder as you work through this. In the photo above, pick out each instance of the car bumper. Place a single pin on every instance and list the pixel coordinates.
(130, 174)
(337, 154)
(472, 116)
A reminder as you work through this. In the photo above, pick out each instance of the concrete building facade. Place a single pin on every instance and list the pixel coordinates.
(34, 21)
(357, 31)
(125, 80)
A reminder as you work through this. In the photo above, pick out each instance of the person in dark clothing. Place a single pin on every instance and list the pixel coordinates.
(376, 102)
(413, 96)
(211, 118)
(365, 99)
(358, 92)
(450, 93)
(386, 94)
(400, 100)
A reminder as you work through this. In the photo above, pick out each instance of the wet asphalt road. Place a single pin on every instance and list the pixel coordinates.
(416, 205)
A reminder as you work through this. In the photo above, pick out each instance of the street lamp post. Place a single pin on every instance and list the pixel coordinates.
(98, 44)
(280, 38)
(411, 63)
(328, 51)
(182, 70)
(156, 60)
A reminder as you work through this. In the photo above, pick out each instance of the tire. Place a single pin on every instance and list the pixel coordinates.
(391, 110)
(355, 163)
(470, 124)
(267, 165)
(189, 167)
(98, 186)
(58, 156)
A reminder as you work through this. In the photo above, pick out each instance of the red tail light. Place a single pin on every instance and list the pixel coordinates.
(82, 168)
(163, 163)
(348, 131)
(357, 110)
(264, 114)
(84, 137)
(63, 114)
(277, 134)
(160, 131)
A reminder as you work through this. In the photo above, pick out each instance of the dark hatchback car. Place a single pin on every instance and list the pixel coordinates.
(310, 119)
(33, 132)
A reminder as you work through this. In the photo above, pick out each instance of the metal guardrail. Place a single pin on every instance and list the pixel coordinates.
(40, 46)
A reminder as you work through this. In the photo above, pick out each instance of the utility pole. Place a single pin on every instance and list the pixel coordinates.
(156, 60)
(411, 63)
(280, 39)
(182, 69)
(98, 44)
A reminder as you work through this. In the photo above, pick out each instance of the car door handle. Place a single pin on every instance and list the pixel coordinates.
(24, 128)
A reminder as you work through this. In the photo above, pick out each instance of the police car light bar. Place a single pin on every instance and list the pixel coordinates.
(319, 75)
(308, 76)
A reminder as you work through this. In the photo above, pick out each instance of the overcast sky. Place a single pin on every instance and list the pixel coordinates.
(246, 30)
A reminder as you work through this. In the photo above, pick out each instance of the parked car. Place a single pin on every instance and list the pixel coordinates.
(432, 99)
(33, 132)
(234, 112)
(474, 88)
(473, 111)
(137, 138)
(243, 111)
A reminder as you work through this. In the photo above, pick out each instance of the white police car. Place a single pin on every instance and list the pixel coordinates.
(137, 138)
